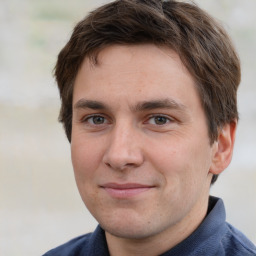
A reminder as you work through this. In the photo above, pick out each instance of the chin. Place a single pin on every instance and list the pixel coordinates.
(127, 231)
(131, 228)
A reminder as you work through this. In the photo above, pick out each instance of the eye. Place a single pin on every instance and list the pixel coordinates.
(95, 120)
(159, 120)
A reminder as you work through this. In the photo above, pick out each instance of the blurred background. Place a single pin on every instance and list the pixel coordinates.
(40, 207)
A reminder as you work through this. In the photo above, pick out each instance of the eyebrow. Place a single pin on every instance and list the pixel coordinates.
(139, 107)
(92, 104)
(159, 104)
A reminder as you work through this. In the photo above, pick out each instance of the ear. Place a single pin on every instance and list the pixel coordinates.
(223, 148)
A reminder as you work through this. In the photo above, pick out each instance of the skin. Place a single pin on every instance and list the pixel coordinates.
(140, 148)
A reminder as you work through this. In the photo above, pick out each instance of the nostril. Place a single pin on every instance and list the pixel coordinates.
(108, 164)
(122, 155)
(121, 166)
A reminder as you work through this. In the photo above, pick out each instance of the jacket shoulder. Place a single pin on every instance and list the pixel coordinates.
(236, 243)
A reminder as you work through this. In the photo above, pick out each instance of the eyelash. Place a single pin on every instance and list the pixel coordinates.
(87, 118)
(167, 118)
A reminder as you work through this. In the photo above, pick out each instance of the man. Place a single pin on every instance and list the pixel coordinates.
(148, 91)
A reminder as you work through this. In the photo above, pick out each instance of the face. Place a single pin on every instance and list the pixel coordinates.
(140, 145)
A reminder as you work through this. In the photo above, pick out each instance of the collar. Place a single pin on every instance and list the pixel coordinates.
(204, 239)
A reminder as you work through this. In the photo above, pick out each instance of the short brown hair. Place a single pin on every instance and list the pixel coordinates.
(202, 44)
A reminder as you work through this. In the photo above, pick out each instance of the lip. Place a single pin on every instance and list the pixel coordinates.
(127, 190)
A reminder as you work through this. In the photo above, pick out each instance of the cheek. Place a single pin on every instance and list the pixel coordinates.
(85, 163)
(85, 159)
(182, 164)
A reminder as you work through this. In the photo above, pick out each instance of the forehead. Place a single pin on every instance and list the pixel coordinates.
(134, 72)
(142, 56)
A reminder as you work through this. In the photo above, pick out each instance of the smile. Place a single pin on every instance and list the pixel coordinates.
(122, 191)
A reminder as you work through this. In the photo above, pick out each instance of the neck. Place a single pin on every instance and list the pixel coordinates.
(161, 242)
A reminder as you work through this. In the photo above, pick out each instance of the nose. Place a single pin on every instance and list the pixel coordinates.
(123, 149)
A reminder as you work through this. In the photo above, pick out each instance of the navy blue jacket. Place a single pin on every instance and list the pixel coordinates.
(213, 237)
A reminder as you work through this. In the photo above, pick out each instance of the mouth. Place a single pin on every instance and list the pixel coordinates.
(122, 191)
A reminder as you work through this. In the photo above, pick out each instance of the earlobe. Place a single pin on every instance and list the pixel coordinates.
(223, 148)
